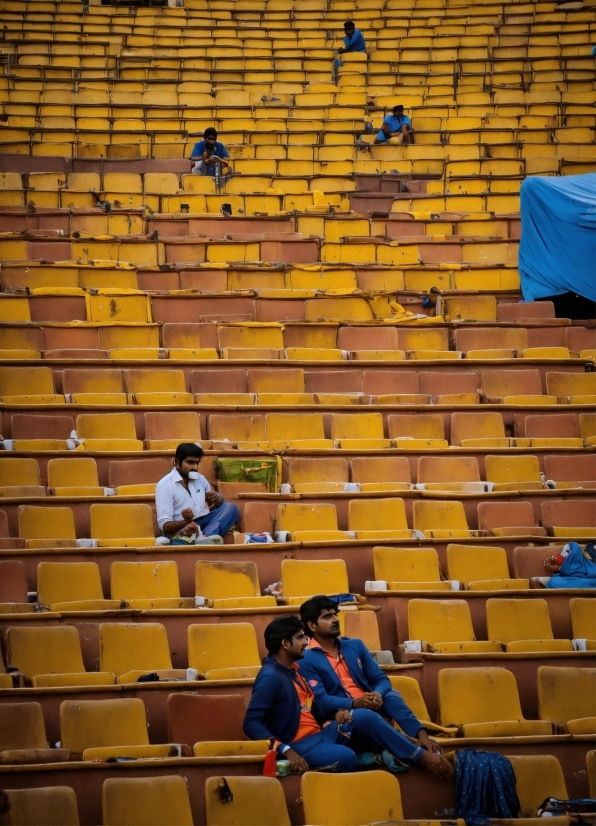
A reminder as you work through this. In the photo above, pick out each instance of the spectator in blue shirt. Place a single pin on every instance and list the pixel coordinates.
(353, 42)
(208, 154)
(394, 126)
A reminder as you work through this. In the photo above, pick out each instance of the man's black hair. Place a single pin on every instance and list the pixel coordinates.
(210, 132)
(282, 628)
(397, 106)
(349, 24)
(310, 611)
(186, 449)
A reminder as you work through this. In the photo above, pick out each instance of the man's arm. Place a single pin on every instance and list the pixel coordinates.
(327, 704)
(262, 699)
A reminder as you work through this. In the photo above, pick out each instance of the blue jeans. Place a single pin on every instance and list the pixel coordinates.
(397, 709)
(334, 747)
(218, 521)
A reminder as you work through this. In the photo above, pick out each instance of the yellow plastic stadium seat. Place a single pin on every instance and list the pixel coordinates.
(449, 473)
(223, 652)
(358, 431)
(378, 519)
(440, 519)
(99, 729)
(381, 473)
(583, 620)
(537, 776)
(446, 626)
(567, 697)
(301, 579)
(74, 477)
(17, 384)
(122, 526)
(492, 707)
(97, 430)
(47, 527)
(591, 766)
(156, 387)
(522, 625)
(51, 657)
(296, 430)
(513, 472)
(72, 586)
(45, 806)
(363, 625)
(419, 430)
(306, 522)
(146, 801)
(130, 650)
(350, 799)
(148, 585)
(20, 478)
(311, 475)
(409, 688)
(481, 568)
(256, 801)
(409, 569)
(572, 388)
(230, 585)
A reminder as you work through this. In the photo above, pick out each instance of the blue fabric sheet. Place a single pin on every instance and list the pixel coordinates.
(484, 787)
(557, 252)
(578, 569)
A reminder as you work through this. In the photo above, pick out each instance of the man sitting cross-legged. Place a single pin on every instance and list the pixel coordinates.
(283, 709)
(343, 675)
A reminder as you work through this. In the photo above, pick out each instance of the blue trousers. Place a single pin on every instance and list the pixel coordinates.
(218, 521)
(334, 747)
(397, 709)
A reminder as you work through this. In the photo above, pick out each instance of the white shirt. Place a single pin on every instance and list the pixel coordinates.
(171, 498)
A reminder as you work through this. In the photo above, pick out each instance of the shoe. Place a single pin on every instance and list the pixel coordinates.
(367, 758)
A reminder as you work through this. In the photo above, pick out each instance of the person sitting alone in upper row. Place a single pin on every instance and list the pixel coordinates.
(210, 153)
(353, 42)
(396, 128)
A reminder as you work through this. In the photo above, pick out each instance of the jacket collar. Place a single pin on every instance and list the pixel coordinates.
(270, 660)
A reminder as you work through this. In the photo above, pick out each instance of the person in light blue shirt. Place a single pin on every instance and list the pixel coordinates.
(353, 42)
(394, 126)
(209, 153)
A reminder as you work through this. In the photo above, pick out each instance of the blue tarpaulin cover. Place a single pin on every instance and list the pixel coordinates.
(557, 252)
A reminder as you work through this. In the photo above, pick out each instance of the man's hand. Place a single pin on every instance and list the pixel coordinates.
(189, 529)
(426, 742)
(371, 700)
(343, 716)
(187, 514)
(341, 51)
(213, 499)
(298, 765)
(436, 764)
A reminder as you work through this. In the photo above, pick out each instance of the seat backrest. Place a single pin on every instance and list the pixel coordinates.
(86, 724)
(497, 384)
(560, 469)
(68, 582)
(569, 513)
(46, 806)
(257, 801)
(240, 427)
(106, 425)
(51, 650)
(13, 583)
(357, 426)
(144, 580)
(362, 625)
(305, 578)
(137, 471)
(552, 425)
(104, 380)
(411, 693)
(508, 620)
(491, 694)
(22, 726)
(566, 693)
(294, 516)
(491, 338)
(537, 777)
(31, 426)
(329, 469)
(501, 469)
(571, 384)
(229, 645)
(431, 515)
(476, 426)
(583, 618)
(350, 799)
(591, 769)
(190, 336)
(406, 564)
(183, 425)
(448, 469)
(283, 427)
(415, 425)
(285, 380)
(46, 522)
(218, 580)
(587, 425)
(19, 472)
(195, 718)
(367, 338)
(17, 381)
(381, 469)
(505, 515)
(377, 514)
(466, 563)
(133, 646)
(152, 381)
(121, 521)
(70, 473)
(383, 382)
(440, 620)
(146, 801)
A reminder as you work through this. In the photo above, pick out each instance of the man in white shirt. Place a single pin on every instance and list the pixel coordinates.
(184, 499)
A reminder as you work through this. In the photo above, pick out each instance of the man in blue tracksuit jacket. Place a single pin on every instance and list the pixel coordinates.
(343, 675)
(283, 709)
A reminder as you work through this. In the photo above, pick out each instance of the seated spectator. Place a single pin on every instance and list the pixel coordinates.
(185, 502)
(572, 568)
(209, 155)
(396, 128)
(353, 42)
(284, 708)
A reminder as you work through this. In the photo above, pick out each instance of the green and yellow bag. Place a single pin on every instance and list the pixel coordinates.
(259, 471)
